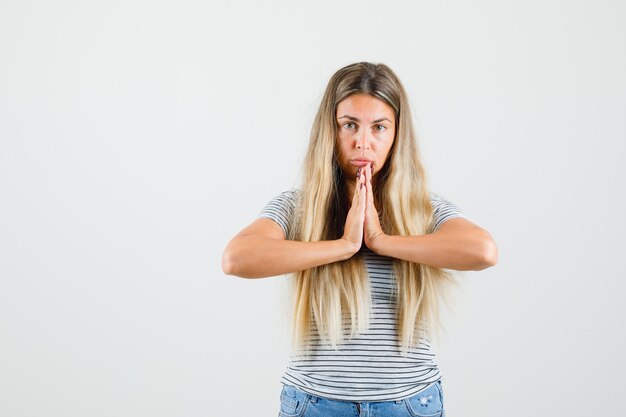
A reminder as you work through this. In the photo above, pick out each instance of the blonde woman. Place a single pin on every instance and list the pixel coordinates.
(368, 248)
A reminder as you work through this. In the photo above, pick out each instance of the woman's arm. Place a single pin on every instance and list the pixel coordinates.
(261, 250)
(457, 244)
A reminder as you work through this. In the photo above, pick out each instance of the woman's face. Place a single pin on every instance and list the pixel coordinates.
(366, 130)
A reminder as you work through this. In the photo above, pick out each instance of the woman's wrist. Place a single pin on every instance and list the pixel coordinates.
(377, 244)
(349, 248)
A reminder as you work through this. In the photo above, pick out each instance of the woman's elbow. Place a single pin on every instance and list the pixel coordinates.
(488, 254)
(229, 262)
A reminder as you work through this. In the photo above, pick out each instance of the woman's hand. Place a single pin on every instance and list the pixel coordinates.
(353, 229)
(372, 231)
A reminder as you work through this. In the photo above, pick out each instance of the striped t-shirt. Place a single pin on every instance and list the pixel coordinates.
(369, 366)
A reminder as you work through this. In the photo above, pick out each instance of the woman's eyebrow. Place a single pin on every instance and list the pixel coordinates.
(345, 116)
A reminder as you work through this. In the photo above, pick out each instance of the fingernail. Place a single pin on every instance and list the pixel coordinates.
(358, 172)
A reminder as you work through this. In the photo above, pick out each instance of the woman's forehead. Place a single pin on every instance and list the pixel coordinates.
(364, 107)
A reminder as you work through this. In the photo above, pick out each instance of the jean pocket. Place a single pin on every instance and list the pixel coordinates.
(440, 392)
(292, 402)
(427, 403)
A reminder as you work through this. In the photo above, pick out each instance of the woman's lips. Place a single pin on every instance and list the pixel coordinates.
(359, 162)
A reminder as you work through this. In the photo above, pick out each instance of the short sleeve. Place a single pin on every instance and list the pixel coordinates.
(281, 209)
(443, 210)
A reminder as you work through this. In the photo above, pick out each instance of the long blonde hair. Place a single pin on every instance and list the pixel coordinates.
(331, 299)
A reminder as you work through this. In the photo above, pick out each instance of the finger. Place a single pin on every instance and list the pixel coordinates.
(370, 194)
(356, 187)
(362, 191)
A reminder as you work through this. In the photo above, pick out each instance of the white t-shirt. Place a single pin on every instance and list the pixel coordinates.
(367, 367)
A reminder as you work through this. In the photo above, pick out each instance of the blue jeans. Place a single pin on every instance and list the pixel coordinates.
(297, 403)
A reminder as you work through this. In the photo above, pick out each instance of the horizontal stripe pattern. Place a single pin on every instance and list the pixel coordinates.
(368, 366)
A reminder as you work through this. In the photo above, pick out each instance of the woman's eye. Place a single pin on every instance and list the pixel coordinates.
(348, 124)
(380, 128)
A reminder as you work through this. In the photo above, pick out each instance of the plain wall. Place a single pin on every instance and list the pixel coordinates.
(137, 137)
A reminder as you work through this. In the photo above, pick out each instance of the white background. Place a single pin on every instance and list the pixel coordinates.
(137, 137)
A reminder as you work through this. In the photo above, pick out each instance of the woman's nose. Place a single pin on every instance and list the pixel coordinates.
(362, 141)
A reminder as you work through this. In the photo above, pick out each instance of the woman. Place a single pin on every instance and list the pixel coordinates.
(368, 246)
